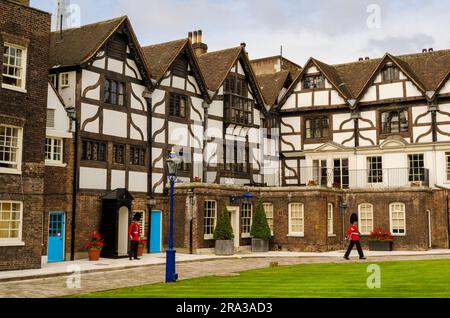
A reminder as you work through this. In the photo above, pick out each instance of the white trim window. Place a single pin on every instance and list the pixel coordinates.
(447, 166)
(14, 67)
(50, 123)
(10, 149)
(397, 214)
(330, 219)
(246, 219)
(365, 216)
(268, 209)
(53, 150)
(10, 223)
(209, 219)
(296, 219)
(64, 80)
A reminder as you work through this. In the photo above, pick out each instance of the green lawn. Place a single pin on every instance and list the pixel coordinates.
(398, 279)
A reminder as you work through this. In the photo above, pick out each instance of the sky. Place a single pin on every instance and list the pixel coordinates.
(333, 31)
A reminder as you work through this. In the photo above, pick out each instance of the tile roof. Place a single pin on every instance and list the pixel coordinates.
(215, 66)
(79, 44)
(160, 56)
(271, 85)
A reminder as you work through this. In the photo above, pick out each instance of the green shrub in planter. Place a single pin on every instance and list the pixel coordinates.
(260, 230)
(223, 234)
(224, 231)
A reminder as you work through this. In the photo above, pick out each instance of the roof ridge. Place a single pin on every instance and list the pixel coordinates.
(220, 51)
(121, 18)
(164, 43)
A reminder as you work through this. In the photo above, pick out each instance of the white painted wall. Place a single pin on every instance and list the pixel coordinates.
(137, 181)
(93, 178)
(115, 123)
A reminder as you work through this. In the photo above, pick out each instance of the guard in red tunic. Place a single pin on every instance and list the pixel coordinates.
(353, 234)
(133, 234)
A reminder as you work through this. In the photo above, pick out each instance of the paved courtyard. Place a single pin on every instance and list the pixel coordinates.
(52, 280)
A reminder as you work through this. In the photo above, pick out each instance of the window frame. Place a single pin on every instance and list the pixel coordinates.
(108, 92)
(360, 219)
(62, 80)
(206, 235)
(270, 215)
(330, 219)
(418, 173)
(92, 142)
(142, 151)
(373, 175)
(302, 218)
(392, 70)
(19, 152)
(174, 110)
(14, 241)
(314, 81)
(247, 218)
(233, 165)
(24, 59)
(387, 130)
(313, 120)
(238, 107)
(447, 165)
(53, 152)
(391, 220)
(114, 153)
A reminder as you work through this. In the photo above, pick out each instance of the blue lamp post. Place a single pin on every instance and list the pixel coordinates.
(172, 164)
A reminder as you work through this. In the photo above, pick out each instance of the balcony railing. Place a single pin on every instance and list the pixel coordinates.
(354, 179)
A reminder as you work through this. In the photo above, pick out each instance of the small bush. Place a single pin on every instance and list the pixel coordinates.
(260, 228)
(224, 231)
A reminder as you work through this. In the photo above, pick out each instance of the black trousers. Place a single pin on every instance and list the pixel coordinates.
(358, 246)
(134, 249)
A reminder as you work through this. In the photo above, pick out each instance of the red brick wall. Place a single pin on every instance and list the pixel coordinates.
(33, 26)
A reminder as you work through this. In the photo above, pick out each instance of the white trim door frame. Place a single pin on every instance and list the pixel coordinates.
(234, 212)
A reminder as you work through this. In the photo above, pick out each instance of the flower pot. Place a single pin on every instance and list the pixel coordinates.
(260, 246)
(383, 246)
(141, 250)
(224, 247)
(94, 254)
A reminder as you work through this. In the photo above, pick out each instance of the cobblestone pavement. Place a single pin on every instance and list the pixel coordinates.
(100, 281)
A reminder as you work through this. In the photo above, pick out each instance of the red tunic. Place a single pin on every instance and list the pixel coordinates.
(133, 232)
(353, 232)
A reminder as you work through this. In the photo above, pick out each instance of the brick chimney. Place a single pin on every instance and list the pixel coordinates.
(199, 47)
(22, 2)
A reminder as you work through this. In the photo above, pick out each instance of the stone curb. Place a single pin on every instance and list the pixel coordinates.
(332, 259)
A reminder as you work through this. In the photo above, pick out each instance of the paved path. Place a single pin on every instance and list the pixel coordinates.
(150, 274)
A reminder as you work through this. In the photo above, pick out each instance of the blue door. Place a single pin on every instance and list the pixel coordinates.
(56, 237)
(155, 232)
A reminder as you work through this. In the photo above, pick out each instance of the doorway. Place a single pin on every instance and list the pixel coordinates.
(56, 237)
(234, 217)
(122, 247)
(155, 232)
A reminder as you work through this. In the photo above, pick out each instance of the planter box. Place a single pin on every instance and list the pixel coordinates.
(260, 246)
(383, 246)
(224, 247)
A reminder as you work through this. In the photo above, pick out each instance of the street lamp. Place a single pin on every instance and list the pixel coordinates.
(172, 164)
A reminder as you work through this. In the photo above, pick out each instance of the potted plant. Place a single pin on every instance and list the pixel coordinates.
(380, 241)
(260, 230)
(197, 179)
(94, 246)
(223, 234)
(312, 183)
(141, 247)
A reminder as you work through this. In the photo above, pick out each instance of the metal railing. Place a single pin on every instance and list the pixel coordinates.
(354, 179)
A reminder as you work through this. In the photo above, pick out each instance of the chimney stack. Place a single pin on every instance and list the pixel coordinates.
(190, 36)
(367, 58)
(199, 47)
(430, 50)
(22, 2)
(424, 51)
(361, 59)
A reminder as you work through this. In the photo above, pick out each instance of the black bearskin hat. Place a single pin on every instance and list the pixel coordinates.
(137, 217)
(354, 218)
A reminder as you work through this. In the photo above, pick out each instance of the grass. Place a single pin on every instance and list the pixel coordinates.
(403, 279)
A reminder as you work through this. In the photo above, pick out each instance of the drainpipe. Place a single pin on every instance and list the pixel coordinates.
(429, 229)
(74, 186)
(205, 129)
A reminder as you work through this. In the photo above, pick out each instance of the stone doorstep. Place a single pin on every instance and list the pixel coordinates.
(214, 257)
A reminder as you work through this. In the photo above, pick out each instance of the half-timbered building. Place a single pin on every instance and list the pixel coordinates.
(100, 72)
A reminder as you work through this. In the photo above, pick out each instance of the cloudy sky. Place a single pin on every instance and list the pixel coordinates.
(334, 31)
